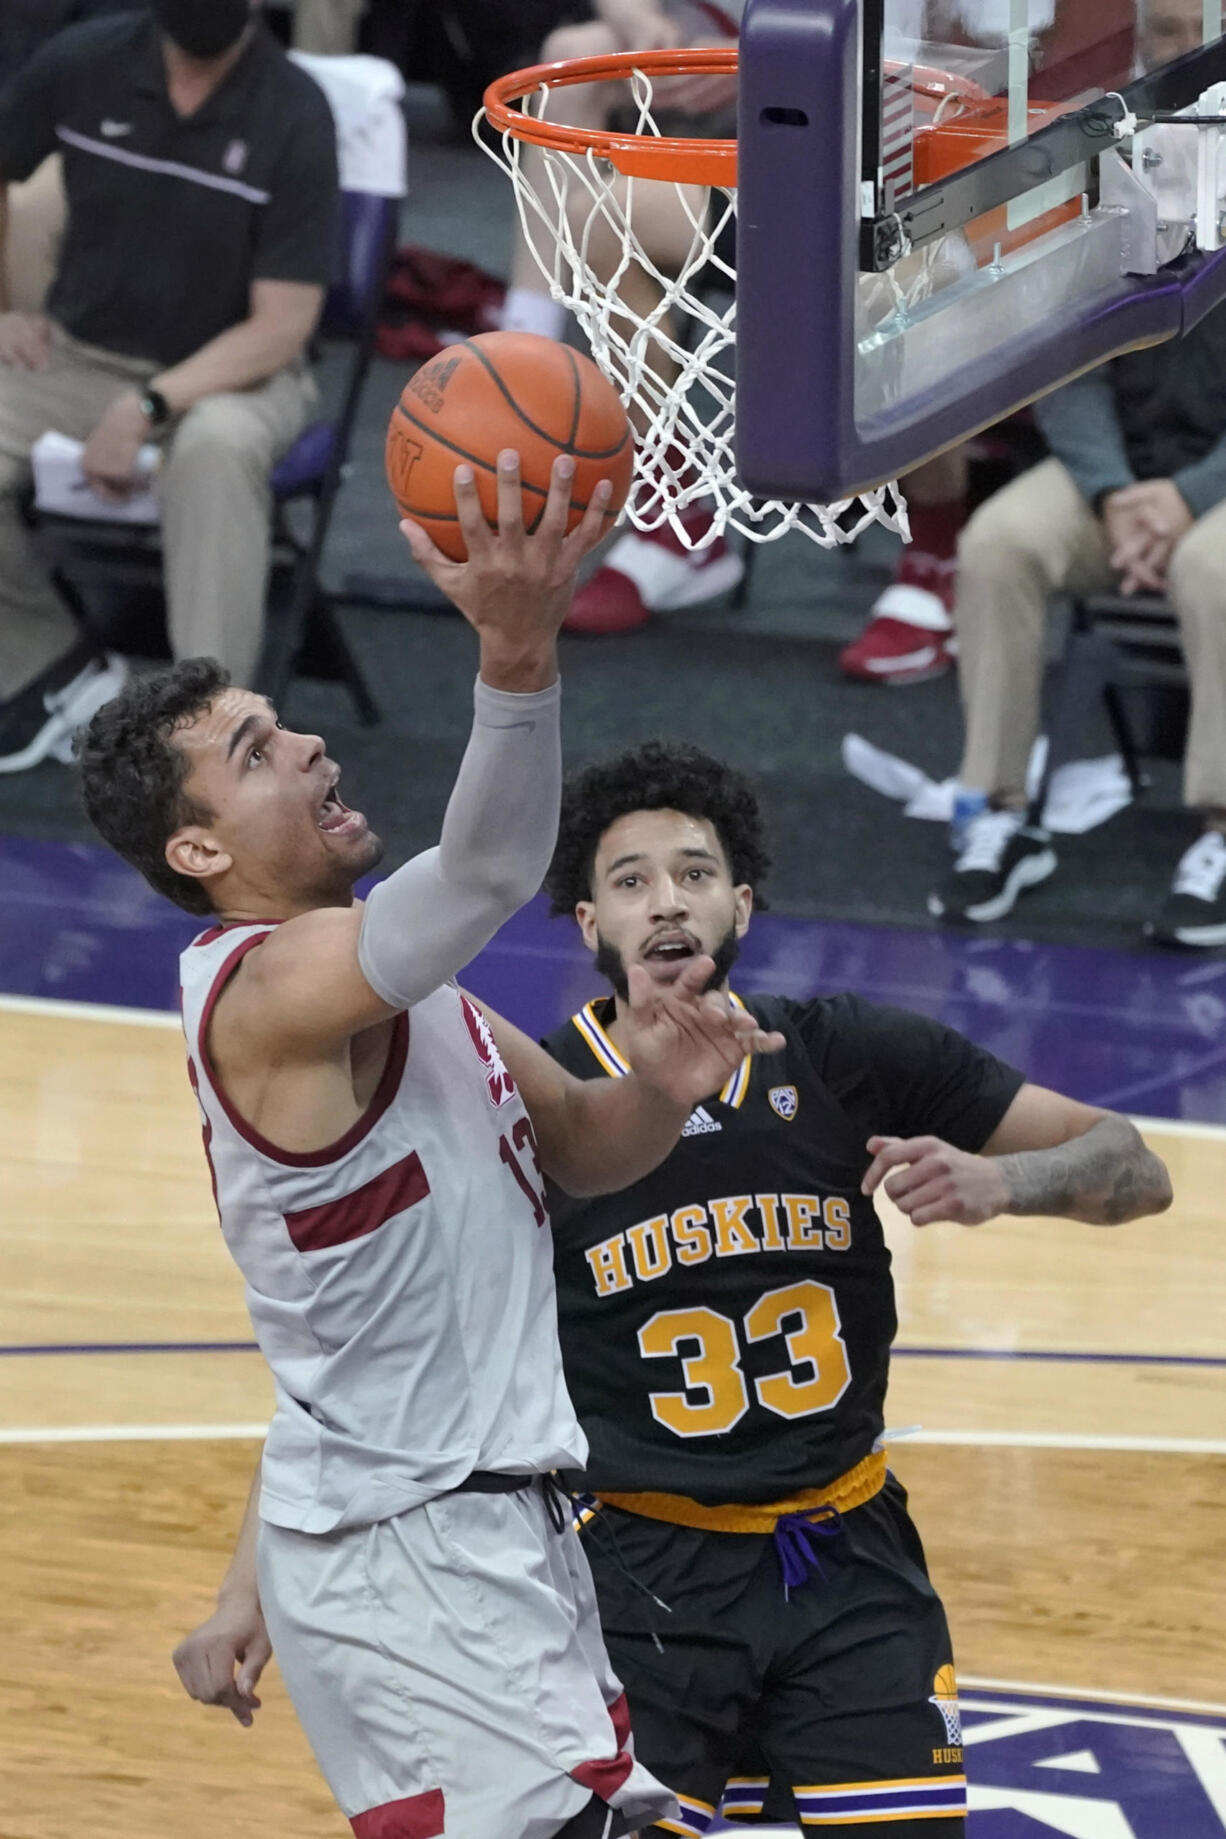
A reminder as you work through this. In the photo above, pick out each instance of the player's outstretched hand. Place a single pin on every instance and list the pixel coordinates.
(929, 1180)
(516, 585)
(220, 1662)
(683, 1039)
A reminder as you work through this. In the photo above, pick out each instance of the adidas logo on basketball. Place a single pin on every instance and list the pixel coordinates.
(700, 1123)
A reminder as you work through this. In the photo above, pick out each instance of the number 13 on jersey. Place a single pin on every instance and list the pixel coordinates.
(804, 1314)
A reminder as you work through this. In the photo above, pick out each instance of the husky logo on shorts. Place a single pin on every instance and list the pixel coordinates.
(498, 1082)
(785, 1100)
(945, 1698)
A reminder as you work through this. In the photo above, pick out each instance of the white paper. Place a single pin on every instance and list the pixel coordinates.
(60, 485)
(1082, 795)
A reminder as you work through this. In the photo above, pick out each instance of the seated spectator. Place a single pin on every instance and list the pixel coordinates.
(1134, 494)
(200, 174)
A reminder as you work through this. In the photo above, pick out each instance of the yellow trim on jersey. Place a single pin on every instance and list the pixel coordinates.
(690, 1829)
(881, 1819)
(847, 1491)
(589, 1027)
(617, 1066)
(878, 1787)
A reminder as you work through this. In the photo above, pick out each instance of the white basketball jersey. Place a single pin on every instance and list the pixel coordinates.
(400, 1281)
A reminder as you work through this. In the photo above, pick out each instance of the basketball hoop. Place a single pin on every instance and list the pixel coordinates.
(576, 194)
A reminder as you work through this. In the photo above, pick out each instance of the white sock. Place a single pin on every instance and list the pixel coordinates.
(526, 311)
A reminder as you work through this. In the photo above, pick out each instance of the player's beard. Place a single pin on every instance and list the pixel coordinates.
(612, 968)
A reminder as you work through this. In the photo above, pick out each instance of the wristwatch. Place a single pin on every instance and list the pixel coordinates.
(155, 408)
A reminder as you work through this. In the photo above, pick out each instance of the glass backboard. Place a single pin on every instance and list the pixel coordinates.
(947, 207)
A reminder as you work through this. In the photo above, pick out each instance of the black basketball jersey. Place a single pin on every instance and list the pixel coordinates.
(726, 1322)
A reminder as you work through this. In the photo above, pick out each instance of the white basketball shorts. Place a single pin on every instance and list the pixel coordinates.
(449, 1671)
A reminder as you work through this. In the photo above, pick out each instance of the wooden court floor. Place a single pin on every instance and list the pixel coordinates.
(1074, 1510)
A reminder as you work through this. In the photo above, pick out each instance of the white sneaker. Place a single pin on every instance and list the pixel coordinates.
(1195, 909)
(41, 721)
(1001, 854)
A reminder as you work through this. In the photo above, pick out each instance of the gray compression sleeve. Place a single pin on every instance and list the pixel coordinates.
(424, 923)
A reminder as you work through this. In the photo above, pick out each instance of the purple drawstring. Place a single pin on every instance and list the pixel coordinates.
(796, 1541)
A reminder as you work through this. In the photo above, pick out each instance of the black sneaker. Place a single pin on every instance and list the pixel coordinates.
(40, 721)
(1195, 909)
(1000, 855)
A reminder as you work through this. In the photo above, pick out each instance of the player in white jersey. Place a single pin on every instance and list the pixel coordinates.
(376, 1144)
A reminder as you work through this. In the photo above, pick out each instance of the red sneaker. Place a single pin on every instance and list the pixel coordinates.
(650, 574)
(898, 650)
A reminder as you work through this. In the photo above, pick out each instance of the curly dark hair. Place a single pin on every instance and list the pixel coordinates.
(654, 777)
(132, 773)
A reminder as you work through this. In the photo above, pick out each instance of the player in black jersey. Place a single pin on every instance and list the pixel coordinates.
(726, 1325)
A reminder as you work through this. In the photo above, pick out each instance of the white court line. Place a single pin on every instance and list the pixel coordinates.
(164, 1018)
(133, 1433)
(980, 1439)
(1180, 1127)
(976, 1682)
(88, 1012)
(1068, 1439)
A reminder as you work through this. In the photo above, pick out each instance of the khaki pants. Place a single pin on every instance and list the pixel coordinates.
(213, 488)
(1038, 537)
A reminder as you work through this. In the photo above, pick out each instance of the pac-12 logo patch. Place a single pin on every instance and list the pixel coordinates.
(498, 1082)
(785, 1100)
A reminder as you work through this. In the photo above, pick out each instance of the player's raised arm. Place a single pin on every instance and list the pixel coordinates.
(682, 1041)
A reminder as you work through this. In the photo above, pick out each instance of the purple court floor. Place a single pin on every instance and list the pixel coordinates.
(1141, 1033)
(1041, 1766)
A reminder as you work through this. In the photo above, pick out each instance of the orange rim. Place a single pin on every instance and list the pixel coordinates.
(694, 161)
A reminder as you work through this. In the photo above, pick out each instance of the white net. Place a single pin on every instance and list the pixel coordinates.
(665, 339)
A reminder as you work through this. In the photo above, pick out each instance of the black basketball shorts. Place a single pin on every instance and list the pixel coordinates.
(834, 1705)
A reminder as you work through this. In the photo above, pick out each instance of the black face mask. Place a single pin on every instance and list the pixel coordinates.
(203, 28)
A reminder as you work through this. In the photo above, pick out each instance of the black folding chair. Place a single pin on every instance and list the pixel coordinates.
(1116, 643)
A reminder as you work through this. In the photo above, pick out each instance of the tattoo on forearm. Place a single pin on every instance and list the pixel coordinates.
(1105, 1177)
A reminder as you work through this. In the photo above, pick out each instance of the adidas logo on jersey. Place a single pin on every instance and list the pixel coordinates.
(700, 1123)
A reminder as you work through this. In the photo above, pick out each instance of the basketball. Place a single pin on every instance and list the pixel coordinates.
(499, 390)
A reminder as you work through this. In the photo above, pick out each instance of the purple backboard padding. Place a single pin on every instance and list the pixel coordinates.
(798, 221)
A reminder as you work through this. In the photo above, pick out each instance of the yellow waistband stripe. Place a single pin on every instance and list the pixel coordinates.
(850, 1490)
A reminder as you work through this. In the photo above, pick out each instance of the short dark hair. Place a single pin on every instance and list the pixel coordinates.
(654, 777)
(132, 773)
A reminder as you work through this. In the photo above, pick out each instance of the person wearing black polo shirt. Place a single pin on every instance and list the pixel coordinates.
(201, 179)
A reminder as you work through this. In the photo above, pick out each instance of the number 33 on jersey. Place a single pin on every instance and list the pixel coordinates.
(726, 1322)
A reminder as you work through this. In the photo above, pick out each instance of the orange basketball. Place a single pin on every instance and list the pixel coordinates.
(505, 389)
